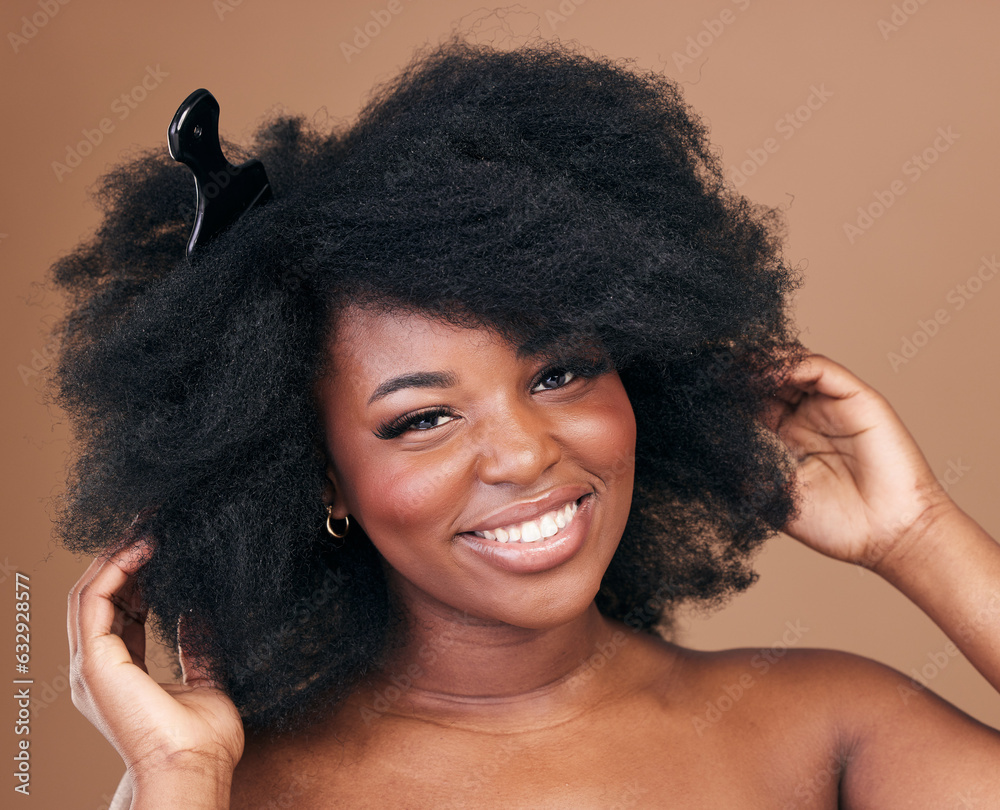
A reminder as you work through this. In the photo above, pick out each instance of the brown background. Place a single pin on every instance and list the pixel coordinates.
(889, 91)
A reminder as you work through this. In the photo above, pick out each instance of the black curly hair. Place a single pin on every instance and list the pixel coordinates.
(547, 193)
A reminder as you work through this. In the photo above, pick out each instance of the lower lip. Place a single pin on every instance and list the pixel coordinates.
(530, 558)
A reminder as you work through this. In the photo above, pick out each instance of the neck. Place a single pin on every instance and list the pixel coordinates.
(454, 667)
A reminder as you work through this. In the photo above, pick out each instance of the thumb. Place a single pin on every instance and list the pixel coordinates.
(193, 671)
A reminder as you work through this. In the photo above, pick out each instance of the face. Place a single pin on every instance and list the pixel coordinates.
(443, 442)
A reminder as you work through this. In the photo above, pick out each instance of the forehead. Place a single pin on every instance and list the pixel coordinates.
(369, 344)
(369, 339)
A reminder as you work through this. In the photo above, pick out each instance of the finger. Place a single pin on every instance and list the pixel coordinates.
(812, 395)
(92, 602)
(818, 374)
(804, 443)
(130, 621)
(98, 565)
(774, 412)
(73, 604)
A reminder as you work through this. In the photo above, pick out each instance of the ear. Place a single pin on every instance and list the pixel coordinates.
(333, 494)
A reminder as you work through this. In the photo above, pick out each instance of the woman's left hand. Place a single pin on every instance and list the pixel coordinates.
(866, 487)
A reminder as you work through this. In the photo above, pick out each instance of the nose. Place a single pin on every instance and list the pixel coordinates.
(517, 446)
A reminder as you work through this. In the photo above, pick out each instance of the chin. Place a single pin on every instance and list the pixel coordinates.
(543, 605)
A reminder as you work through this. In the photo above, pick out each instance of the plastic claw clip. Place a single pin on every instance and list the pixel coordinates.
(223, 192)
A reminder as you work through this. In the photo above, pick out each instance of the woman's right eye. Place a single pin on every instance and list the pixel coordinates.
(428, 420)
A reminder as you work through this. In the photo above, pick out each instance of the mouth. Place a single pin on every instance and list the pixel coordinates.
(548, 525)
(525, 555)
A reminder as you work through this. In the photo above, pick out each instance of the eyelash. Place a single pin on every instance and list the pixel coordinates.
(579, 370)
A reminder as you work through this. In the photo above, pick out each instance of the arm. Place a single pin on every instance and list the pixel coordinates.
(870, 498)
(188, 785)
(950, 568)
(173, 790)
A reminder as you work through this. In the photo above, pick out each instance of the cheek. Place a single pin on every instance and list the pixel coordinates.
(604, 438)
(400, 494)
(406, 507)
(411, 493)
(386, 490)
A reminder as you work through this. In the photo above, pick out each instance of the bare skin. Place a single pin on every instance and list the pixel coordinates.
(513, 691)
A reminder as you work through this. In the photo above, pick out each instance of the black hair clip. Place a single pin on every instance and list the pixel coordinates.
(224, 192)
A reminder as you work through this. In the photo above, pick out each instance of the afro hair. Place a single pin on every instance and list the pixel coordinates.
(546, 193)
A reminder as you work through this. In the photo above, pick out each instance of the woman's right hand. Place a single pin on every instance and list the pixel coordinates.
(180, 739)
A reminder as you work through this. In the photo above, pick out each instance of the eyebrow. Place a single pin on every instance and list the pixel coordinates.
(419, 379)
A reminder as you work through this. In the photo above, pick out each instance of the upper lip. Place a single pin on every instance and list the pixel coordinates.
(531, 510)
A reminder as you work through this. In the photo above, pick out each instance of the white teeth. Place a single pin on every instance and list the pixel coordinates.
(532, 531)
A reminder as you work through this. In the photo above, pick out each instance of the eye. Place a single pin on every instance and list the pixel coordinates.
(554, 378)
(428, 420)
(424, 420)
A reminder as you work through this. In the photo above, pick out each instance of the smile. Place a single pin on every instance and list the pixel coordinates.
(531, 531)
(545, 542)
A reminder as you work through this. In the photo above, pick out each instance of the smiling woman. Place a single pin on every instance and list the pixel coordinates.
(499, 444)
(514, 342)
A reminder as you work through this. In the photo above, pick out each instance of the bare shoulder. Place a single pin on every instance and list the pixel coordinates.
(772, 727)
(849, 692)
(896, 741)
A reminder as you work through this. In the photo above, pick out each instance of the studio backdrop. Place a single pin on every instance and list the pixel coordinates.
(873, 126)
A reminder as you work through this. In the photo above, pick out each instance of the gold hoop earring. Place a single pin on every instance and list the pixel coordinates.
(329, 528)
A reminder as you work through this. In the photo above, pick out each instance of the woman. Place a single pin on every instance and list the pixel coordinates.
(511, 340)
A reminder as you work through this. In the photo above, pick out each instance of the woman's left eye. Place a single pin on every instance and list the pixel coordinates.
(556, 378)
